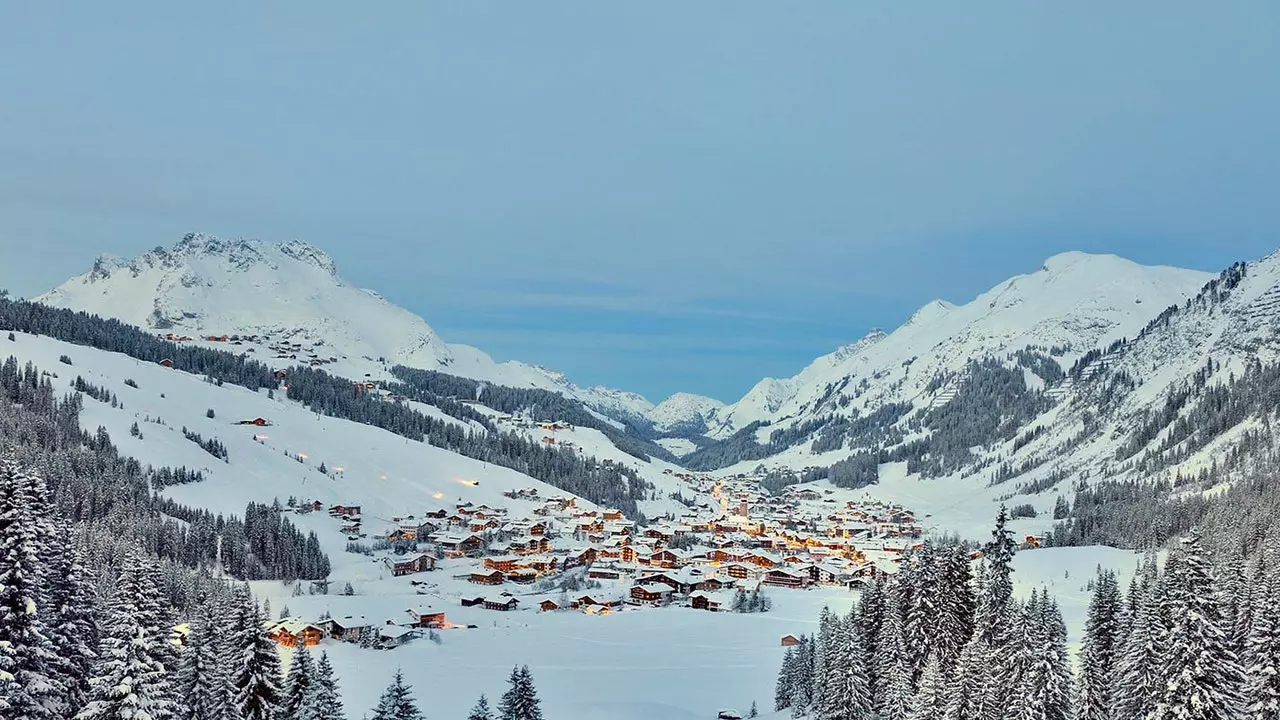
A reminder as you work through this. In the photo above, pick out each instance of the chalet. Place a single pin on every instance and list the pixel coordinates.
(410, 565)
(594, 601)
(259, 422)
(584, 556)
(393, 636)
(739, 571)
(704, 601)
(457, 544)
(351, 628)
(503, 605)
(763, 559)
(712, 584)
(785, 577)
(523, 576)
(293, 632)
(604, 573)
(504, 563)
(345, 510)
(651, 594)
(790, 641)
(166, 363)
(493, 577)
(612, 514)
(426, 617)
(548, 606)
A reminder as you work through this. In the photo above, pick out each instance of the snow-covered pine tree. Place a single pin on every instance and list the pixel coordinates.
(1048, 680)
(845, 695)
(130, 679)
(201, 684)
(786, 674)
(255, 676)
(73, 629)
(1262, 652)
(397, 702)
(520, 701)
(822, 647)
(930, 699)
(870, 617)
(1136, 685)
(326, 702)
(970, 689)
(1202, 677)
(919, 588)
(956, 603)
(481, 710)
(893, 668)
(299, 686)
(1099, 649)
(1012, 666)
(29, 686)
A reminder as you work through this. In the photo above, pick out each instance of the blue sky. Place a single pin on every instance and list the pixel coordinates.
(659, 196)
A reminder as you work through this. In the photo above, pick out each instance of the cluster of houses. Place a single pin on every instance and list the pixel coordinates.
(391, 633)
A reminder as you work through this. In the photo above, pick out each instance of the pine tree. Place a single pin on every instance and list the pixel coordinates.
(956, 604)
(1137, 685)
(871, 608)
(1048, 679)
(397, 702)
(822, 648)
(256, 672)
(481, 710)
(1099, 650)
(1011, 672)
(1202, 676)
(299, 685)
(1262, 652)
(520, 701)
(930, 699)
(28, 665)
(892, 665)
(74, 629)
(782, 689)
(326, 703)
(130, 679)
(200, 683)
(845, 696)
(970, 692)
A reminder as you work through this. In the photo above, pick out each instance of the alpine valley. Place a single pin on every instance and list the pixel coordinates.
(226, 410)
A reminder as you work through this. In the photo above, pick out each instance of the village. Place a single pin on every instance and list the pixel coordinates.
(548, 555)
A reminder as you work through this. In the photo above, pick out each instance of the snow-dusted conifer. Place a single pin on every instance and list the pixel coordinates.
(29, 686)
(201, 685)
(893, 668)
(970, 690)
(397, 702)
(256, 674)
(1048, 680)
(520, 701)
(1262, 651)
(481, 710)
(786, 674)
(299, 686)
(1099, 649)
(326, 702)
(930, 699)
(1203, 678)
(1136, 685)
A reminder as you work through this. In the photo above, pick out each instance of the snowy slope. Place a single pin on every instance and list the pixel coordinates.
(1075, 300)
(291, 293)
(685, 413)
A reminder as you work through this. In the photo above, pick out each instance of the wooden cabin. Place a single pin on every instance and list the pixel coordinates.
(502, 605)
(410, 565)
(493, 577)
(293, 632)
(790, 641)
(426, 617)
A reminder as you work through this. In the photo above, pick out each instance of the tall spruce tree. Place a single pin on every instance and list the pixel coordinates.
(1099, 650)
(130, 679)
(256, 672)
(201, 684)
(326, 703)
(1048, 680)
(1203, 678)
(74, 628)
(520, 701)
(930, 699)
(1136, 686)
(892, 664)
(786, 677)
(397, 702)
(29, 686)
(299, 686)
(1262, 652)
(481, 710)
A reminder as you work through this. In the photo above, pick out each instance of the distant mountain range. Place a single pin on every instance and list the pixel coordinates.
(1090, 367)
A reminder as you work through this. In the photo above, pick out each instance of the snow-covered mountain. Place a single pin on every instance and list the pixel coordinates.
(290, 296)
(1073, 303)
(686, 414)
